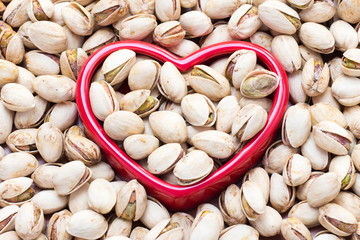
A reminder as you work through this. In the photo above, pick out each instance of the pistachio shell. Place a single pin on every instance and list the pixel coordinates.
(16, 97)
(19, 164)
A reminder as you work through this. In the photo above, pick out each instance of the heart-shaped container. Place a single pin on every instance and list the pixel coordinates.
(182, 198)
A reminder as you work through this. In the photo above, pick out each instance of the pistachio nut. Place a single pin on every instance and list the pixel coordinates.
(206, 225)
(263, 39)
(9, 72)
(78, 200)
(81, 148)
(15, 13)
(350, 62)
(117, 65)
(118, 227)
(140, 146)
(87, 224)
(30, 221)
(57, 13)
(355, 156)
(344, 167)
(165, 230)
(325, 112)
(136, 27)
(24, 35)
(207, 81)
(138, 233)
(33, 117)
(139, 102)
(71, 62)
(337, 219)
(7, 218)
(22, 140)
(282, 196)
(196, 24)
(297, 170)
(42, 63)
(346, 90)
(292, 228)
(238, 65)
(244, 22)
(226, 111)
(99, 39)
(317, 37)
(281, 46)
(57, 226)
(260, 176)
(305, 213)
(301, 4)
(25, 78)
(252, 200)
(335, 68)
(17, 97)
(219, 10)
(40, 10)
(121, 124)
(167, 10)
(297, 94)
(348, 11)
(154, 213)
(70, 177)
(259, 84)
(169, 34)
(139, 79)
(62, 115)
(315, 77)
(319, 158)
(322, 235)
(164, 158)
(306, 54)
(171, 83)
(356, 185)
(102, 170)
(78, 19)
(103, 188)
(219, 34)
(229, 206)
(141, 6)
(344, 34)
(327, 97)
(10, 235)
(131, 201)
(44, 173)
(268, 224)
(321, 11)
(49, 201)
(279, 17)
(106, 12)
(349, 201)
(198, 110)
(303, 188)
(239, 231)
(16, 191)
(49, 142)
(19, 164)
(323, 189)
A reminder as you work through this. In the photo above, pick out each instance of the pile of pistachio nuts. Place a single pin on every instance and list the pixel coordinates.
(54, 184)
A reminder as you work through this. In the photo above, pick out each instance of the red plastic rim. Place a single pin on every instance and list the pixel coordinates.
(173, 196)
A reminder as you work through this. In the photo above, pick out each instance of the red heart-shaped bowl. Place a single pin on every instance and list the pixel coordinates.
(181, 198)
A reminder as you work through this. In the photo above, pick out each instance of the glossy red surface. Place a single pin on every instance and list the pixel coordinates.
(180, 198)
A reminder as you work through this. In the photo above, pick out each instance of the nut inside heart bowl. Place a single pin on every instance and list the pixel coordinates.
(181, 198)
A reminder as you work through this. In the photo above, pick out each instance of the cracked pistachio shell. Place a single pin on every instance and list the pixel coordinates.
(87, 224)
(296, 125)
(259, 84)
(70, 177)
(23, 31)
(248, 122)
(15, 13)
(185, 220)
(346, 90)
(8, 72)
(297, 170)
(171, 83)
(167, 10)
(162, 124)
(344, 34)
(106, 12)
(238, 65)
(34, 117)
(57, 226)
(169, 34)
(229, 206)
(206, 225)
(319, 12)
(332, 137)
(349, 201)
(198, 110)
(252, 200)
(139, 79)
(103, 99)
(16, 191)
(268, 224)
(282, 196)
(19, 164)
(42, 63)
(319, 158)
(344, 167)
(117, 65)
(12, 46)
(193, 167)
(279, 17)
(83, 149)
(78, 200)
(117, 227)
(55, 88)
(141, 6)
(103, 188)
(335, 68)
(315, 77)
(136, 27)
(196, 24)
(244, 22)
(99, 39)
(337, 219)
(323, 189)
(260, 176)
(30, 221)
(7, 218)
(317, 38)
(48, 36)
(17, 97)
(171, 106)
(154, 213)
(71, 62)
(62, 115)
(239, 231)
(219, 9)
(78, 19)
(49, 201)
(209, 82)
(276, 155)
(349, 11)
(140, 146)
(102, 170)
(50, 142)
(139, 102)
(40, 10)
(207, 207)
(286, 49)
(121, 124)
(350, 62)
(325, 112)
(297, 94)
(22, 140)
(226, 111)
(215, 143)
(164, 158)
(131, 201)
(305, 213)
(306, 54)
(165, 230)
(44, 173)
(292, 228)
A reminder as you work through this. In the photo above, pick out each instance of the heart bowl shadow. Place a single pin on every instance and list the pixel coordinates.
(182, 198)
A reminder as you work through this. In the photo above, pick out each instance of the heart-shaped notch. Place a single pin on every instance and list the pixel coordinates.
(182, 198)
